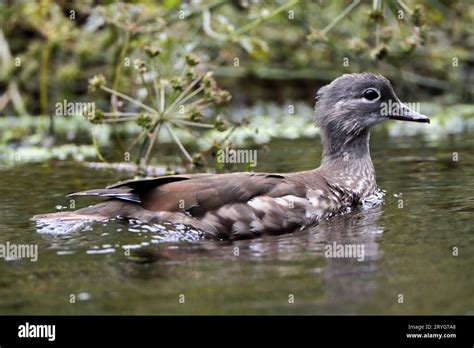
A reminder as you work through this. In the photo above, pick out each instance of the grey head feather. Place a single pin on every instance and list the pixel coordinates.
(345, 116)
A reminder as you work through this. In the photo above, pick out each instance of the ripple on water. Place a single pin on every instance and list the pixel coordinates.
(47, 226)
(144, 234)
(373, 200)
(101, 251)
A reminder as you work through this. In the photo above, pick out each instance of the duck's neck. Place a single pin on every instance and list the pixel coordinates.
(346, 160)
(343, 150)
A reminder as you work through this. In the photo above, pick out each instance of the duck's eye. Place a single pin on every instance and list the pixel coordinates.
(370, 94)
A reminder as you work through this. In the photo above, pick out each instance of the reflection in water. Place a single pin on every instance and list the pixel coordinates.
(437, 215)
(347, 278)
(344, 278)
(358, 227)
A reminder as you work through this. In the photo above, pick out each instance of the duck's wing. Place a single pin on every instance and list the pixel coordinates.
(199, 193)
(232, 206)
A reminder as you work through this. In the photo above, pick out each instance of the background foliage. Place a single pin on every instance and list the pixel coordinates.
(260, 51)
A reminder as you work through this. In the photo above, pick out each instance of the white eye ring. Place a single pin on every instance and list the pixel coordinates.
(371, 94)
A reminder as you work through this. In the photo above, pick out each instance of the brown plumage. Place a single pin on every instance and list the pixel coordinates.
(245, 205)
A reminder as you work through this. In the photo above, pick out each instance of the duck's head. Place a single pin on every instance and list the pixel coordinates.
(353, 103)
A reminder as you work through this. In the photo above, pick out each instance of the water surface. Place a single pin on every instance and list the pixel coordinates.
(408, 243)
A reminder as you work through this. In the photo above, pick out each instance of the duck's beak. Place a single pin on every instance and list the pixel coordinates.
(402, 112)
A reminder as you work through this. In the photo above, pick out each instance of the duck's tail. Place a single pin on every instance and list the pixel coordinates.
(98, 212)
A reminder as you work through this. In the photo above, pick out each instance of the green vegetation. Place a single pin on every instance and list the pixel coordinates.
(150, 69)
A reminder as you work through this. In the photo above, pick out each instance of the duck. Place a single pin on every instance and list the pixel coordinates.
(244, 205)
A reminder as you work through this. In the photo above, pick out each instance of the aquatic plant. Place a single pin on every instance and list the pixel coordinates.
(180, 97)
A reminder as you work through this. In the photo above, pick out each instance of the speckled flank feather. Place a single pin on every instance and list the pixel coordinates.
(246, 205)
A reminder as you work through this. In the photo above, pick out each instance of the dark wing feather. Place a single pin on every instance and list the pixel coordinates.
(198, 195)
(143, 184)
(122, 194)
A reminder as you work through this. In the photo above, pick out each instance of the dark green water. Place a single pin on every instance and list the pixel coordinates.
(408, 250)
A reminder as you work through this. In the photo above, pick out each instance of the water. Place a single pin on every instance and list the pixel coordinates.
(408, 246)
